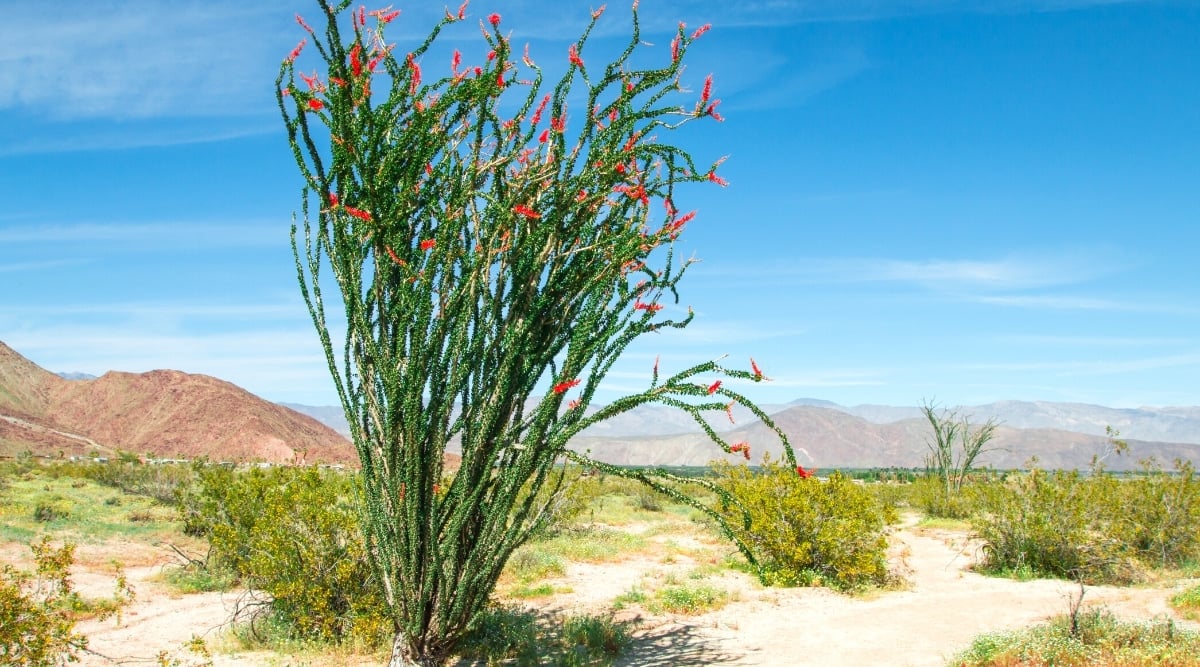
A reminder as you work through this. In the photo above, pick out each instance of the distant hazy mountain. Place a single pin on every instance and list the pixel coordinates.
(76, 376)
(827, 434)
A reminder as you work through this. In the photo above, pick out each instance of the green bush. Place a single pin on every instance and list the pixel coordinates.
(807, 531)
(1051, 524)
(293, 534)
(1096, 529)
(51, 509)
(37, 619)
(1161, 517)
(164, 483)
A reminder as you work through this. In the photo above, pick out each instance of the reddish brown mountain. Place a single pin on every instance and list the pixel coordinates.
(161, 413)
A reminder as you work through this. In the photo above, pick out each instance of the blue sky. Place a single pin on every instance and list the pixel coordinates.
(951, 200)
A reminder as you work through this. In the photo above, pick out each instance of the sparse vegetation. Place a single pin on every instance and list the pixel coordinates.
(1095, 637)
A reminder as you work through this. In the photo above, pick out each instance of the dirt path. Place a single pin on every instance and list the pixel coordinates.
(937, 615)
(943, 609)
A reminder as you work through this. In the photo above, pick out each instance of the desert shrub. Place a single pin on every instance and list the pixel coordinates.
(1188, 602)
(1096, 637)
(932, 497)
(164, 483)
(1053, 524)
(293, 534)
(1094, 529)
(807, 531)
(1160, 515)
(37, 620)
(52, 508)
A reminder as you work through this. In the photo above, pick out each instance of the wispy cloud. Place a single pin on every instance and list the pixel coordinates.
(42, 265)
(1075, 302)
(775, 13)
(1025, 271)
(205, 234)
(122, 137)
(1094, 341)
(1092, 367)
(133, 60)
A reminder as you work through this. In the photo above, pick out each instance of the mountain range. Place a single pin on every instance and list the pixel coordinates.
(161, 413)
(170, 413)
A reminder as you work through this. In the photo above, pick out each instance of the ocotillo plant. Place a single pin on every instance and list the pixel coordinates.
(490, 247)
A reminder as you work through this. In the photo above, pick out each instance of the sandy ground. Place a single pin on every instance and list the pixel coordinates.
(936, 615)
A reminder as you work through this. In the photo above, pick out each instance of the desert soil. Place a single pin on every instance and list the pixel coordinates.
(942, 607)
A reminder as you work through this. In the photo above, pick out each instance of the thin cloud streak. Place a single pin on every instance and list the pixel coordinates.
(206, 234)
(1017, 272)
(136, 60)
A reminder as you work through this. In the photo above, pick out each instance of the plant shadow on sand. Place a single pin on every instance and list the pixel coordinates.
(673, 644)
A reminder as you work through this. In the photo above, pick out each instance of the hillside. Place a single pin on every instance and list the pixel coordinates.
(160, 413)
(170, 413)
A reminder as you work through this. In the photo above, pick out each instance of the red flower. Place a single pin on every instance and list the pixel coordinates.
(356, 66)
(712, 111)
(673, 228)
(712, 176)
(707, 91)
(563, 386)
(573, 56)
(296, 51)
(315, 104)
(462, 11)
(649, 307)
(384, 15)
(805, 474)
(755, 369)
(675, 49)
(524, 210)
(544, 136)
(494, 19)
(573, 404)
(701, 30)
(596, 14)
(333, 199)
(743, 447)
(358, 213)
(712, 388)
(729, 411)
(428, 244)
(456, 61)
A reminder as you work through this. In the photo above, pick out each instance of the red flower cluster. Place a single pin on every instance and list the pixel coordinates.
(524, 210)
(712, 388)
(428, 244)
(358, 213)
(743, 447)
(563, 386)
(805, 474)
